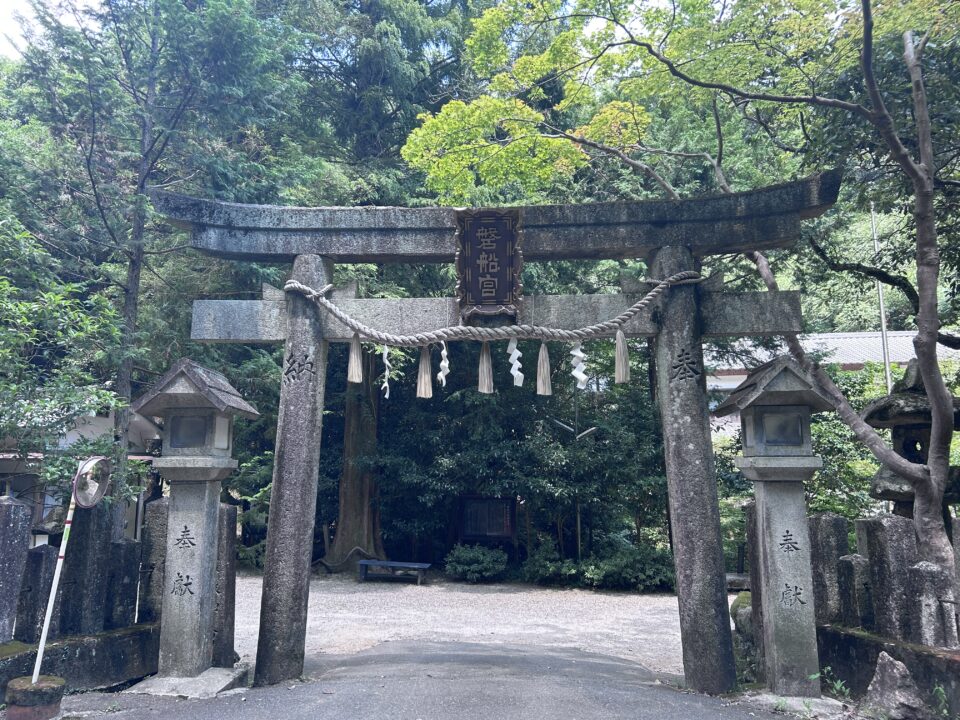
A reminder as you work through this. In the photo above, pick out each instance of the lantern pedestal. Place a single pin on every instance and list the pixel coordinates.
(786, 581)
(208, 684)
(186, 629)
(775, 403)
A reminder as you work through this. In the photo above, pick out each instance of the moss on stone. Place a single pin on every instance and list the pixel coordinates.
(14, 647)
(742, 600)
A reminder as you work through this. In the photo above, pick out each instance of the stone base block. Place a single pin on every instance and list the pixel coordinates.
(35, 712)
(205, 685)
(28, 701)
(88, 662)
(933, 614)
(852, 657)
(856, 595)
(821, 708)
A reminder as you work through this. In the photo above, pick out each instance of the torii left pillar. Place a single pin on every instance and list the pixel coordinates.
(293, 499)
(708, 662)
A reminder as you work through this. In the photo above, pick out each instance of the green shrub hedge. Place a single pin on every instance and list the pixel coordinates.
(642, 568)
(475, 563)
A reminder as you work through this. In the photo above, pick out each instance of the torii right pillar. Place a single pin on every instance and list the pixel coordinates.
(708, 661)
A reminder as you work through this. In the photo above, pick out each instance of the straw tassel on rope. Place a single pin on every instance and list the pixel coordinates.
(621, 373)
(355, 366)
(386, 373)
(486, 335)
(543, 371)
(424, 381)
(485, 381)
(515, 356)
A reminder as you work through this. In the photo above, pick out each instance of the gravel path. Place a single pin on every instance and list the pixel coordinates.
(347, 617)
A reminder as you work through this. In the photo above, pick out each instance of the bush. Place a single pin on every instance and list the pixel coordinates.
(544, 567)
(475, 563)
(642, 568)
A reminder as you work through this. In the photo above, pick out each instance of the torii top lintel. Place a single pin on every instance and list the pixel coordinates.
(756, 220)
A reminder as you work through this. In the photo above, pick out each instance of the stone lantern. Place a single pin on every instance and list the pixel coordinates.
(197, 406)
(775, 403)
(906, 412)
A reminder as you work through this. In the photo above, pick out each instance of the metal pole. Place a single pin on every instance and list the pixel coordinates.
(883, 311)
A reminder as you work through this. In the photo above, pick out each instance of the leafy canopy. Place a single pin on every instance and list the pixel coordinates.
(53, 338)
(491, 142)
(607, 73)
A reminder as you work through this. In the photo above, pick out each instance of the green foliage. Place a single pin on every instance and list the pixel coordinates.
(54, 337)
(475, 563)
(831, 684)
(251, 485)
(742, 600)
(60, 465)
(370, 70)
(491, 143)
(941, 703)
(643, 568)
(843, 484)
(733, 530)
(544, 567)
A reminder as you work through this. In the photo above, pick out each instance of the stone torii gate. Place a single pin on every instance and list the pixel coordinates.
(671, 235)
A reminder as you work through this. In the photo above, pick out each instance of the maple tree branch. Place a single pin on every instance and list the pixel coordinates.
(675, 70)
(879, 115)
(899, 282)
(643, 167)
(719, 129)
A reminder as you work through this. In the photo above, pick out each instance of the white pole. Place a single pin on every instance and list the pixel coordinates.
(53, 587)
(87, 465)
(883, 311)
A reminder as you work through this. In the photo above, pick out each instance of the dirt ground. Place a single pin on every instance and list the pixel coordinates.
(348, 617)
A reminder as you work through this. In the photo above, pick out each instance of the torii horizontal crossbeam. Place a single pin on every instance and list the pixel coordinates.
(723, 314)
(756, 220)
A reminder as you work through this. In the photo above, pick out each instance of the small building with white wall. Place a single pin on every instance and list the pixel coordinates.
(851, 351)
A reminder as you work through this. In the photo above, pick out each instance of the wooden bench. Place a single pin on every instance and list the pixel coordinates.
(392, 569)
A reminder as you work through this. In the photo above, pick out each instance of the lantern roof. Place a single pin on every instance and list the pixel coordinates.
(907, 405)
(779, 382)
(190, 385)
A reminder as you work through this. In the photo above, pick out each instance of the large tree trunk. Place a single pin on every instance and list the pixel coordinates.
(933, 542)
(131, 301)
(358, 520)
(135, 260)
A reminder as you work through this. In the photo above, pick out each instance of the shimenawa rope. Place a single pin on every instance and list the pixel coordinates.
(484, 334)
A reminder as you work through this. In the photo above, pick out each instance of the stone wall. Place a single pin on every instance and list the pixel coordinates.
(94, 639)
(15, 519)
(851, 654)
(880, 597)
(104, 660)
(882, 587)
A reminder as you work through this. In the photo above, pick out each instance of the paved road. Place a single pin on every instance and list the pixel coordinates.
(413, 680)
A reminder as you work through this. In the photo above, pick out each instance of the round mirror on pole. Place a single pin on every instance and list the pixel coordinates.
(91, 481)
